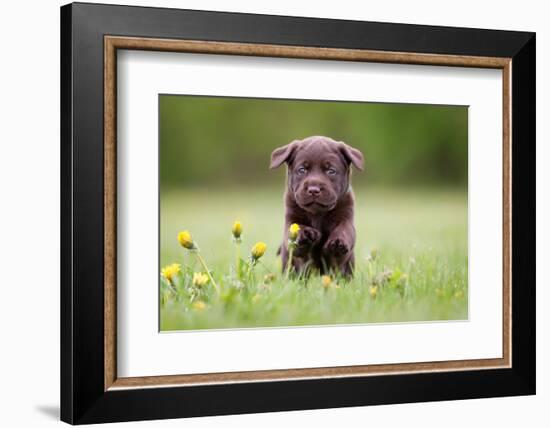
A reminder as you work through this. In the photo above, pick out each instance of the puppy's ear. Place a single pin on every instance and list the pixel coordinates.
(352, 155)
(282, 154)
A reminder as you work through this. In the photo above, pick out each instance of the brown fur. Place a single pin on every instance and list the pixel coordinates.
(320, 200)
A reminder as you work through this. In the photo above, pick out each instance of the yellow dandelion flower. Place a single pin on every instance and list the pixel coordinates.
(186, 240)
(199, 305)
(200, 279)
(170, 271)
(258, 250)
(292, 244)
(237, 229)
(326, 281)
(373, 291)
(293, 231)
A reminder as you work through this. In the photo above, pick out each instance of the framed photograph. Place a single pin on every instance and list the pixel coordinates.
(265, 213)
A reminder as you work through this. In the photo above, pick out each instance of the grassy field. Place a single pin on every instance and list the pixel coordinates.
(411, 262)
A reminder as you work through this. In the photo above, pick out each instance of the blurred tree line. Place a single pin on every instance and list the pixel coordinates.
(228, 141)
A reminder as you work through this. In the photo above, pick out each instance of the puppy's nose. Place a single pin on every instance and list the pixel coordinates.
(314, 190)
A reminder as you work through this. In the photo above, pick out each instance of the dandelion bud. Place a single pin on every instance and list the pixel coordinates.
(269, 277)
(326, 281)
(170, 271)
(258, 250)
(293, 231)
(186, 240)
(373, 254)
(200, 279)
(237, 230)
(199, 305)
(373, 291)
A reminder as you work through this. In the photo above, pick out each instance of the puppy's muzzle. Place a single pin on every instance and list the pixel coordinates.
(314, 191)
(314, 196)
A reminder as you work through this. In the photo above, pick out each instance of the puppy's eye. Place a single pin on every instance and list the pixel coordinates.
(301, 171)
(331, 171)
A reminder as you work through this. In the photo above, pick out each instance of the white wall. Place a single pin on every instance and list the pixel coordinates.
(29, 231)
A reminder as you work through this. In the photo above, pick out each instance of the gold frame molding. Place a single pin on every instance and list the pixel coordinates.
(113, 43)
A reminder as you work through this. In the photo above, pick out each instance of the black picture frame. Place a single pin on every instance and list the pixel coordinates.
(83, 398)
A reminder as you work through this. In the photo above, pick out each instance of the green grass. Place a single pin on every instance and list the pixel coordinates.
(421, 267)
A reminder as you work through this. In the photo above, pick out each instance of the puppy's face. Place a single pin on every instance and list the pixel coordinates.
(318, 171)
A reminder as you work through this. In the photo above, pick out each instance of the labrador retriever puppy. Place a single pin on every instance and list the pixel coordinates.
(320, 200)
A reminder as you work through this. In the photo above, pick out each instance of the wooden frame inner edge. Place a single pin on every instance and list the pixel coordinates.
(112, 43)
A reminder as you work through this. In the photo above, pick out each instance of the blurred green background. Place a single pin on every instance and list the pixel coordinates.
(228, 141)
(411, 204)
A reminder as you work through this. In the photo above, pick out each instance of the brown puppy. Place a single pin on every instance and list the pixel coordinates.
(320, 200)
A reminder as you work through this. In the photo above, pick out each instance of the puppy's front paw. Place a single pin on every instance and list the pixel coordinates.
(308, 236)
(336, 247)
